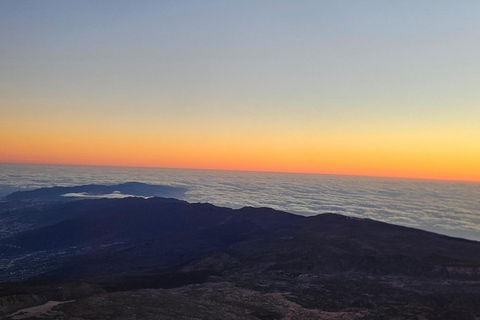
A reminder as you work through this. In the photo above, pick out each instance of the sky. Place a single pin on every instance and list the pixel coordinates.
(382, 88)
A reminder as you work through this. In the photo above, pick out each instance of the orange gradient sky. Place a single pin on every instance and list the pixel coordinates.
(377, 89)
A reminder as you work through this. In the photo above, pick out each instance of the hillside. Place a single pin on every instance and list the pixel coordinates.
(161, 258)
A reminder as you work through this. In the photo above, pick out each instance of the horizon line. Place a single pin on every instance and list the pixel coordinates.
(247, 170)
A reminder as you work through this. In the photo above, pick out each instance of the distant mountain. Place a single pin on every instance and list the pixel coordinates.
(93, 190)
(263, 263)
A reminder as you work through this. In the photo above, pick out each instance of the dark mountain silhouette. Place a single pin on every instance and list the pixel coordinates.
(169, 259)
(128, 188)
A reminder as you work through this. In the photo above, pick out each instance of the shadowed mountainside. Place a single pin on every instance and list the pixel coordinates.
(266, 263)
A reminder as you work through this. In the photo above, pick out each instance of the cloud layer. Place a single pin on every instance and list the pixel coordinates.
(451, 208)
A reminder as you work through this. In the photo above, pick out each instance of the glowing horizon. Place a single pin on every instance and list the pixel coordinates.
(386, 174)
(373, 89)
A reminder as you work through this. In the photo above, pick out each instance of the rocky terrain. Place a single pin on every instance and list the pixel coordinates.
(162, 258)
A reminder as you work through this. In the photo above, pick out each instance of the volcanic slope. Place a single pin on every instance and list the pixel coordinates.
(183, 259)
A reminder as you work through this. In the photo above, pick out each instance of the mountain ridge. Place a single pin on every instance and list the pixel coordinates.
(335, 264)
(127, 188)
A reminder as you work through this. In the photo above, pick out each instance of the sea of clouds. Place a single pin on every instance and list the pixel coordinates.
(446, 207)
